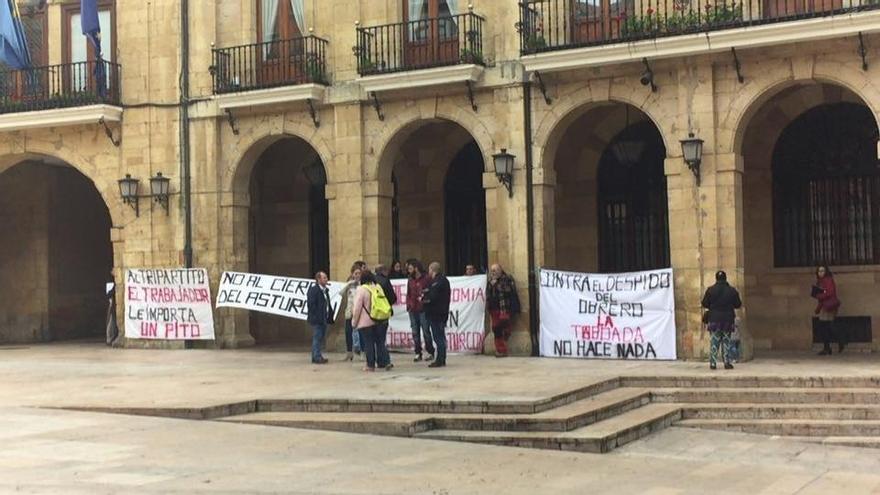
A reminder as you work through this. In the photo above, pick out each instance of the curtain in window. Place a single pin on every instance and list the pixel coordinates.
(299, 15)
(418, 15)
(270, 19)
(453, 7)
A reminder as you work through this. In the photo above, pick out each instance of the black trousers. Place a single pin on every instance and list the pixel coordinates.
(827, 333)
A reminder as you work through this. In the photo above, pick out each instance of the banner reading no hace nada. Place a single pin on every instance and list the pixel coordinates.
(613, 316)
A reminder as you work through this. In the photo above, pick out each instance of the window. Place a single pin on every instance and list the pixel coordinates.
(80, 53)
(826, 188)
(280, 20)
(419, 14)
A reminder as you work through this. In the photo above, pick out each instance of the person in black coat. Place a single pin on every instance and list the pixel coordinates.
(720, 301)
(435, 301)
(320, 314)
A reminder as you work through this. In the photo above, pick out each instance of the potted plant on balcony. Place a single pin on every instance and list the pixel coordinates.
(472, 56)
(636, 26)
(314, 69)
(722, 14)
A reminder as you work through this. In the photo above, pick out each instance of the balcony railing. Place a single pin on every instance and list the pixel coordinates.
(270, 64)
(422, 44)
(546, 25)
(59, 86)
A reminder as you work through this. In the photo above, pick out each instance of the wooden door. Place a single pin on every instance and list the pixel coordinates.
(431, 33)
(776, 9)
(594, 20)
(282, 55)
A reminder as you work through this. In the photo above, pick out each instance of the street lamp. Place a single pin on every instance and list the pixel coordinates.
(504, 169)
(128, 190)
(159, 187)
(692, 151)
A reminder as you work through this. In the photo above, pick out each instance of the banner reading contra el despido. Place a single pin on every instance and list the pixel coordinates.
(614, 316)
(168, 304)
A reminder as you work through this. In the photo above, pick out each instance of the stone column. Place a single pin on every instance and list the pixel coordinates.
(232, 326)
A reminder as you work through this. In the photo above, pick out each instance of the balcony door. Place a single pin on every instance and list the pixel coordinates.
(431, 32)
(282, 53)
(595, 20)
(780, 9)
(80, 76)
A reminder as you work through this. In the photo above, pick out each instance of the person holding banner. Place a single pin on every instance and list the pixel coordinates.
(416, 284)
(721, 300)
(502, 302)
(396, 271)
(436, 298)
(320, 314)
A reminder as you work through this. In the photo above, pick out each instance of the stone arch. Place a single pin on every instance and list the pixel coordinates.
(237, 173)
(107, 187)
(569, 108)
(395, 133)
(746, 104)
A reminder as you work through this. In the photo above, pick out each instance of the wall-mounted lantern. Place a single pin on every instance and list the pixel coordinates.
(159, 190)
(692, 151)
(504, 169)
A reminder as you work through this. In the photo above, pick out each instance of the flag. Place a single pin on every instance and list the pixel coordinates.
(91, 28)
(13, 45)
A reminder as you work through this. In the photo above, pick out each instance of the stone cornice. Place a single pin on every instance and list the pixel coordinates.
(421, 78)
(271, 97)
(91, 114)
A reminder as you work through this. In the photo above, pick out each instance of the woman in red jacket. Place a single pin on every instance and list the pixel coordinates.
(825, 292)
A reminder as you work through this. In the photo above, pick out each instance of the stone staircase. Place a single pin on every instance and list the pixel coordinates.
(595, 418)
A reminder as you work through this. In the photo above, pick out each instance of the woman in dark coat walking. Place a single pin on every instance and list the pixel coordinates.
(721, 300)
(825, 292)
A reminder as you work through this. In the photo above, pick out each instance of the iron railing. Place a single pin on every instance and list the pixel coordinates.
(60, 86)
(422, 44)
(546, 25)
(270, 64)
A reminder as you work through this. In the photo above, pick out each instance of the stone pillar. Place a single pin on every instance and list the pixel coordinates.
(232, 326)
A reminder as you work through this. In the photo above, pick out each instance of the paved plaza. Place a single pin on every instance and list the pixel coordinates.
(47, 449)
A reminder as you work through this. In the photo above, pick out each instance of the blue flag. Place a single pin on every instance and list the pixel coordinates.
(13, 46)
(91, 26)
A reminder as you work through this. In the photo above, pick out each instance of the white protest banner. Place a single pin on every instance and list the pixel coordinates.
(618, 316)
(467, 316)
(168, 304)
(284, 296)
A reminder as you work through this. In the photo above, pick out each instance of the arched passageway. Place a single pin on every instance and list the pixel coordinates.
(811, 196)
(438, 209)
(56, 255)
(288, 226)
(611, 210)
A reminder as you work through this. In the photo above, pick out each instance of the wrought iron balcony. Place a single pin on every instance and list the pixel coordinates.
(547, 25)
(422, 44)
(269, 65)
(59, 86)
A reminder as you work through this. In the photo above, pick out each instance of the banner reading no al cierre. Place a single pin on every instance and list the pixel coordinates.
(168, 304)
(283, 296)
(615, 316)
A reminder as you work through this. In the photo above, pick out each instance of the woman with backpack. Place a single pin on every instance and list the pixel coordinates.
(825, 292)
(371, 307)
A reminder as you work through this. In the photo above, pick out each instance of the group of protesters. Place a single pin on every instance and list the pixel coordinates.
(370, 297)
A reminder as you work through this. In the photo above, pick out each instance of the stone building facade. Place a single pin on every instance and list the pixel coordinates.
(337, 130)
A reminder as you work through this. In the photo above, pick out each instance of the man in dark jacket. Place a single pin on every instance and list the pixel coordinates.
(721, 300)
(383, 358)
(502, 303)
(435, 301)
(320, 314)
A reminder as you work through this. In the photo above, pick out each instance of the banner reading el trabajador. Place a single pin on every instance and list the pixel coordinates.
(168, 304)
(617, 316)
(467, 312)
(284, 296)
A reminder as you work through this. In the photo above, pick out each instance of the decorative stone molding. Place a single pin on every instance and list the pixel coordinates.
(91, 114)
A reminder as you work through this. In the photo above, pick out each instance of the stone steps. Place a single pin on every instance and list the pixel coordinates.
(864, 442)
(569, 417)
(781, 411)
(869, 396)
(790, 427)
(725, 380)
(600, 437)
